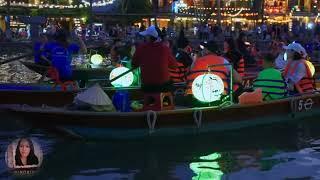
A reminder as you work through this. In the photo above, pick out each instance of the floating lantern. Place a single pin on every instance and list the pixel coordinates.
(311, 67)
(96, 59)
(207, 88)
(124, 81)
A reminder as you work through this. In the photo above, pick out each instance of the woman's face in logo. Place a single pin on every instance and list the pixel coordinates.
(24, 148)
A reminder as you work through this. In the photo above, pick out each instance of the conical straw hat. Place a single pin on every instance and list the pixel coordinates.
(94, 96)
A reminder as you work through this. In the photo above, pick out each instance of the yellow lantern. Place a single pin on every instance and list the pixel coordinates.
(96, 59)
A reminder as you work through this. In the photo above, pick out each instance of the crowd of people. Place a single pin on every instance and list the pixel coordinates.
(164, 61)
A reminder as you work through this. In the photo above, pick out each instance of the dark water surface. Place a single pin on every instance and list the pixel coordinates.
(280, 151)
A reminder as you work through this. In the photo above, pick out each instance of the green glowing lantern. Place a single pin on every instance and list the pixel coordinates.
(124, 81)
(96, 59)
(207, 88)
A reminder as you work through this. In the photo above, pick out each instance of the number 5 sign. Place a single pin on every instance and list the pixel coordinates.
(304, 105)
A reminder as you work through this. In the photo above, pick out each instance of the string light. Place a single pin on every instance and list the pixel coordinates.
(86, 3)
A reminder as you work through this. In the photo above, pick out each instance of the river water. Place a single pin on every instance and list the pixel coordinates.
(281, 151)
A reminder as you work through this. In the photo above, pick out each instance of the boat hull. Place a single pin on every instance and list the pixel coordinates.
(171, 123)
(84, 74)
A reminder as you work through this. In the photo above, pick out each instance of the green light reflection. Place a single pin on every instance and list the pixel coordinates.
(207, 170)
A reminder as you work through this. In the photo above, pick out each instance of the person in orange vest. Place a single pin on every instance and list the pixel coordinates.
(297, 73)
(183, 56)
(232, 54)
(209, 57)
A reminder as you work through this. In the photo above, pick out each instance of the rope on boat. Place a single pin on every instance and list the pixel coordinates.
(179, 92)
(293, 106)
(151, 119)
(197, 116)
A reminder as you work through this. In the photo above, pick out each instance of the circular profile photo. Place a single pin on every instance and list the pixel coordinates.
(24, 156)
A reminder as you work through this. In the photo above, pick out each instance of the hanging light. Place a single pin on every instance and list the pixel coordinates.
(124, 81)
(207, 88)
(96, 59)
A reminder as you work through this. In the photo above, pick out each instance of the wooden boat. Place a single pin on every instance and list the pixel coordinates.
(36, 95)
(78, 73)
(181, 121)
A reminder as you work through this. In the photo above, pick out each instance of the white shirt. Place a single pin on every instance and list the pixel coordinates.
(294, 78)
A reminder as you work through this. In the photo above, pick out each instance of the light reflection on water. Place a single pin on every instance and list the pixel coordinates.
(15, 72)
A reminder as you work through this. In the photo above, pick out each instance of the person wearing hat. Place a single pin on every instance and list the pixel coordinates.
(297, 73)
(154, 60)
(209, 51)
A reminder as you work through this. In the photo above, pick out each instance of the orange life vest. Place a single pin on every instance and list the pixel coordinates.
(307, 83)
(201, 67)
(240, 68)
(178, 73)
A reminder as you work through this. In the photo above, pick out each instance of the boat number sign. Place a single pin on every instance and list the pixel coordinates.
(303, 105)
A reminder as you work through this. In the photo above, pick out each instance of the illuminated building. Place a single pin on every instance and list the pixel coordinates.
(69, 12)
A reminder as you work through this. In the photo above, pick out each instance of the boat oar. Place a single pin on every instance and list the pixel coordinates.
(123, 74)
(16, 58)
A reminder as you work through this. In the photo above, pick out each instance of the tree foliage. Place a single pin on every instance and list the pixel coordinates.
(135, 6)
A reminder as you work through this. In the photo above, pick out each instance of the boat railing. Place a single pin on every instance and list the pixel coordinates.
(230, 78)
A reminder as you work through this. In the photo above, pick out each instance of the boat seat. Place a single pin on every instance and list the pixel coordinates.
(54, 75)
(158, 101)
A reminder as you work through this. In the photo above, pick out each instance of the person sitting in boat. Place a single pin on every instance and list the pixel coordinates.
(184, 61)
(297, 73)
(61, 53)
(40, 51)
(281, 60)
(154, 60)
(234, 56)
(270, 80)
(115, 56)
(209, 57)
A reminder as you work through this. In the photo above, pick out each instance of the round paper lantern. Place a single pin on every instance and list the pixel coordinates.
(311, 67)
(207, 88)
(96, 59)
(124, 81)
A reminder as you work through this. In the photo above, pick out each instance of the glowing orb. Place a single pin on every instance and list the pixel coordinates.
(124, 81)
(207, 88)
(285, 56)
(96, 59)
(311, 67)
